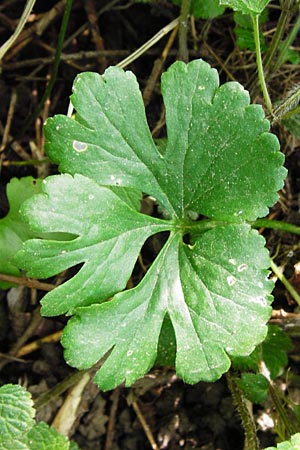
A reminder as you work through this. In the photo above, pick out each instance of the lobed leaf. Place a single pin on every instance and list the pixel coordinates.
(252, 7)
(214, 306)
(211, 297)
(108, 235)
(238, 173)
(215, 130)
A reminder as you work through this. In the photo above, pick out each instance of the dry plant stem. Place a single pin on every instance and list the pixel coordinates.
(90, 54)
(280, 29)
(35, 322)
(220, 62)
(183, 52)
(294, 294)
(287, 43)
(37, 28)
(290, 429)
(96, 36)
(251, 441)
(107, 7)
(157, 68)
(145, 426)
(157, 37)
(27, 10)
(22, 281)
(112, 419)
(260, 71)
(67, 414)
(35, 345)
(289, 104)
(59, 388)
(50, 85)
(10, 114)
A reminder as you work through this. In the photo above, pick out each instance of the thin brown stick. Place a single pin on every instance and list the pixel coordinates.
(35, 345)
(157, 68)
(145, 426)
(112, 419)
(10, 115)
(30, 330)
(37, 28)
(28, 282)
(96, 36)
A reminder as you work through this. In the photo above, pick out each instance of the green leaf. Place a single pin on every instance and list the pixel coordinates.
(109, 235)
(13, 229)
(293, 124)
(293, 444)
(244, 30)
(102, 143)
(206, 10)
(43, 437)
(110, 110)
(208, 297)
(252, 7)
(274, 350)
(16, 413)
(233, 136)
(220, 161)
(255, 386)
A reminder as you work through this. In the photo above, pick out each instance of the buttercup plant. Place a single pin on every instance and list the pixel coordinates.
(206, 297)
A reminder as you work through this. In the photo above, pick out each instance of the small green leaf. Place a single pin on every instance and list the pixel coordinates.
(293, 444)
(293, 124)
(13, 229)
(252, 7)
(274, 350)
(255, 386)
(43, 437)
(206, 10)
(244, 30)
(16, 413)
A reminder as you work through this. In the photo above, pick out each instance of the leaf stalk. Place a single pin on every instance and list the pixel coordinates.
(260, 71)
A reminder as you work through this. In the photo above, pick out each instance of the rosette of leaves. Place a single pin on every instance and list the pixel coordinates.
(206, 296)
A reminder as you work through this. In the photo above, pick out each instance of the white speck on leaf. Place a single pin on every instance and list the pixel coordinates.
(129, 353)
(231, 280)
(91, 197)
(79, 146)
(242, 267)
(232, 261)
(201, 88)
